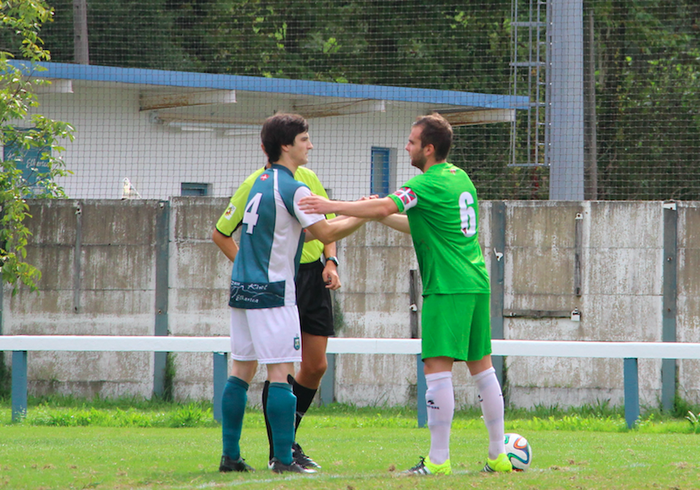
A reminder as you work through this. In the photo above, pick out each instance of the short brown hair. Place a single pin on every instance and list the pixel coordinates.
(436, 131)
(281, 129)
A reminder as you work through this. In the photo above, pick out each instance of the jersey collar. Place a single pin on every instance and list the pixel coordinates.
(276, 166)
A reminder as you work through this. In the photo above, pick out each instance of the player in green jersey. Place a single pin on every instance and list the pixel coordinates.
(440, 212)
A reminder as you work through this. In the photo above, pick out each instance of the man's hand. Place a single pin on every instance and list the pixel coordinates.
(331, 277)
(316, 204)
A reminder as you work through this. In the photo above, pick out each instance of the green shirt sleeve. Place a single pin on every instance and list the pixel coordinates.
(398, 201)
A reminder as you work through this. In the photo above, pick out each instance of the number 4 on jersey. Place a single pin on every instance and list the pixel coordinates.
(250, 216)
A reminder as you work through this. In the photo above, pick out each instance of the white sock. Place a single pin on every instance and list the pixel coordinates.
(440, 399)
(491, 399)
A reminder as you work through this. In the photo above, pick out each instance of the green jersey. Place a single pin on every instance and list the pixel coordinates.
(233, 215)
(442, 212)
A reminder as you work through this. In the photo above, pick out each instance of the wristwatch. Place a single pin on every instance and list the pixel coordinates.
(334, 260)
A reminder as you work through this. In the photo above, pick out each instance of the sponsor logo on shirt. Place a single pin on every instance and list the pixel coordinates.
(264, 176)
(256, 295)
(228, 214)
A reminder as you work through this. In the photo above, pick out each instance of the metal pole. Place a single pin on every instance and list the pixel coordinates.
(566, 160)
(670, 289)
(19, 385)
(80, 32)
(498, 260)
(161, 293)
(220, 378)
(631, 377)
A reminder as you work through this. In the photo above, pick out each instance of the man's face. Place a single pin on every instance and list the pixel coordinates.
(299, 151)
(415, 150)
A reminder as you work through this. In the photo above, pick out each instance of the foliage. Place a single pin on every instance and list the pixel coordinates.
(648, 93)
(125, 33)
(5, 378)
(58, 410)
(647, 69)
(169, 378)
(33, 147)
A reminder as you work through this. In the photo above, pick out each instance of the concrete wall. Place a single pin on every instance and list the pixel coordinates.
(98, 260)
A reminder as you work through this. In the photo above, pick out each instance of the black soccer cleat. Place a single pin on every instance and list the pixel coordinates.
(302, 459)
(278, 467)
(227, 464)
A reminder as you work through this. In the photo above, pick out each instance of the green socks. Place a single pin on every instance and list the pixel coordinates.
(280, 411)
(233, 404)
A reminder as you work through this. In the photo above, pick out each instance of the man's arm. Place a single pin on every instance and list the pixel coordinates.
(376, 209)
(398, 222)
(226, 243)
(329, 231)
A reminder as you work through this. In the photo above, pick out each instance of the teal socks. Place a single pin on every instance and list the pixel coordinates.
(233, 404)
(280, 411)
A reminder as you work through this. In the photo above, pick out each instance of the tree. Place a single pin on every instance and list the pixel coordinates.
(647, 69)
(31, 144)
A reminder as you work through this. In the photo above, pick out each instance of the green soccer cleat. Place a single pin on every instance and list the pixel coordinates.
(425, 467)
(499, 465)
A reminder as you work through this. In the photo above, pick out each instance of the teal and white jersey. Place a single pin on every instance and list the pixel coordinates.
(271, 242)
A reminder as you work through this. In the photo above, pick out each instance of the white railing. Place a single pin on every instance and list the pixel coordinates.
(529, 348)
(629, 351)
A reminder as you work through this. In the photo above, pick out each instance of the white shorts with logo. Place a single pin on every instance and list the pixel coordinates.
(266, 335)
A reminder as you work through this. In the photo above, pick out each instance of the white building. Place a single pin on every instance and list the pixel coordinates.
(179, 133)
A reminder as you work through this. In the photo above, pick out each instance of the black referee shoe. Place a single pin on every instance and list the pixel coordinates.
(278, 467)
(227, 464)
(302, 459)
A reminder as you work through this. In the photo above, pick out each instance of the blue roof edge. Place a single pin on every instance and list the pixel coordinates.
(270, 85)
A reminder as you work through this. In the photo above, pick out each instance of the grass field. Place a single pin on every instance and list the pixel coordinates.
(66, 447)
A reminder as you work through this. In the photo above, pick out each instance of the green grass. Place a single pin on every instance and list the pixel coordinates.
(66, 443)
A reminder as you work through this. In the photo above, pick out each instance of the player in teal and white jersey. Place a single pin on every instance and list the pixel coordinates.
(314, 281)
(440, 207)
(264, 317)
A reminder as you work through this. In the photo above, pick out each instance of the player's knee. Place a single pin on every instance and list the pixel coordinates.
(316, 369)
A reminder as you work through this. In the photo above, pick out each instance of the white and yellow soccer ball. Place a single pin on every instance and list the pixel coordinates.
(519, 451)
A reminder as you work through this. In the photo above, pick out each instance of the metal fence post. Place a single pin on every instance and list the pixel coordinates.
(421, 388)
(668, 315)
(631, 380)
(161, 294)
(220, 378)
(328, 382)
(498, 259)
(19, 385)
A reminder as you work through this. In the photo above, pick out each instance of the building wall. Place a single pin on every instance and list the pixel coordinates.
(115, 140)
(107, 286)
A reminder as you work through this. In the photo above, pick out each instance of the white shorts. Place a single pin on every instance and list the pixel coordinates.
(266, 335)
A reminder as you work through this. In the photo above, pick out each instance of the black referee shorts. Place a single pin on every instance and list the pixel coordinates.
(314, 300)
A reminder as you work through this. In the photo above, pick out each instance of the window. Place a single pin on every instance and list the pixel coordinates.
(194, 189)
(31, 162)
(383, 165)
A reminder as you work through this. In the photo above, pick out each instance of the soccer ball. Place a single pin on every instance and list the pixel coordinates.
(519, 452)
